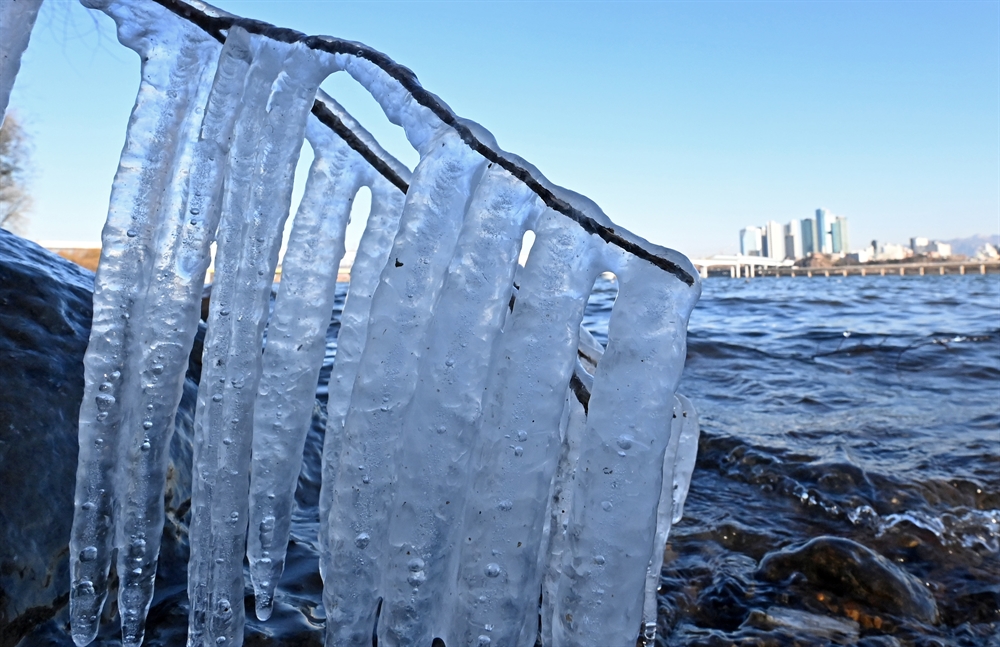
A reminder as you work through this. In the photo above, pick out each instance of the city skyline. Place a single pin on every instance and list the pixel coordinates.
(800, 238)
(826, 233)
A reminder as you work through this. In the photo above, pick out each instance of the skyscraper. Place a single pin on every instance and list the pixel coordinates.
(751, 241)
(823, 242)
(775, 246)
(839, 242)
(809, 237)
(793, 240)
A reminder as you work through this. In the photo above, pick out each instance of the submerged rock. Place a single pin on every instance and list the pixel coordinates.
(801, 624)
(45, 312)
(850, 570)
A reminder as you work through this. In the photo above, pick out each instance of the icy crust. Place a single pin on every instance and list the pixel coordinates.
(480, 447)
(443, 413)
(130, 396)
(17, 17)
(280, 88)
(296, 345)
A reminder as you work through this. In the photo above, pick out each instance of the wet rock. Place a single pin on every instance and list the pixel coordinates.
(803, 624)
(855, 572)
(45, 312)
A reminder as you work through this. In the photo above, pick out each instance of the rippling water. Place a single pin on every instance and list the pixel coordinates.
(860, 407)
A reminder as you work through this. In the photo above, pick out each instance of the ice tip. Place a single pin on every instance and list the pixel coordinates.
(264, 605)
(80, 639)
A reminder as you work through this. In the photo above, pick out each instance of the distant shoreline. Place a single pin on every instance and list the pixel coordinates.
(901, 268)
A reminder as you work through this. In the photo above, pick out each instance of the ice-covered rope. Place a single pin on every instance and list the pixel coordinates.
(217, 23)
(458, 416)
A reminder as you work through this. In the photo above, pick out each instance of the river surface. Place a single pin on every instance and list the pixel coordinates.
(866, 408)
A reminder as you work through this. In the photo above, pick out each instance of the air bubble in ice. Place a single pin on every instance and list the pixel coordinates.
(104, 401)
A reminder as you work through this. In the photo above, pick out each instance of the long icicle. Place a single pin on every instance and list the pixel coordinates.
(664, 519)
(167, 325)
(619, 475)
(678, 465)
(169, 86)
(401, 309)
(372, 255)
(296, 343)
(443, 416)
(561, 500)
(516, 454)
(280, 90)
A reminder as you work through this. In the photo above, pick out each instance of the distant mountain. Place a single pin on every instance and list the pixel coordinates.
(968, 246)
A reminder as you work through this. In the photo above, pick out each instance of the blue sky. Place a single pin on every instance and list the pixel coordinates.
(685, 121)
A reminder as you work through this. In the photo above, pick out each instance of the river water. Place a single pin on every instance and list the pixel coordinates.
(866, 408)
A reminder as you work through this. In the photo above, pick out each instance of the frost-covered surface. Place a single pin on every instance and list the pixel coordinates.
(480, 448)
(17, 17)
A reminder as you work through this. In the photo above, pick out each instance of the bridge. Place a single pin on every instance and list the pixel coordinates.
(739, 265)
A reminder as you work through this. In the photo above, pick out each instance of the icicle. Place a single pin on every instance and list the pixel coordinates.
(444, 413)
(17, 17)
(678, 466)
(280, 89)
(160, 133)
(589, 354)
(372, 255)
(166, 320)
(400, 312)
(517, 452)
(687, 454)
(302, 315)
(622, 458)
(296, 343)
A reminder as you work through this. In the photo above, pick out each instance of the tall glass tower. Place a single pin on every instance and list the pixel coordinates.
(823, 242)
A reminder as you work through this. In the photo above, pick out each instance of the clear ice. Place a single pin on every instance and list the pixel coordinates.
(489, 470)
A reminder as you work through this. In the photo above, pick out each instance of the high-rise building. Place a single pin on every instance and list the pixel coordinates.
(839, 241)
(809, 237)
(793, 240)
(751, 241)
(823, 242)
(774, 246)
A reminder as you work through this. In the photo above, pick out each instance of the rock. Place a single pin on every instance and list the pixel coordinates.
(850, 570)
(801, 624)
(45, 312)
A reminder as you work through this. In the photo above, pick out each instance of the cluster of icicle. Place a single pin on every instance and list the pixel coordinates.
(489, 470)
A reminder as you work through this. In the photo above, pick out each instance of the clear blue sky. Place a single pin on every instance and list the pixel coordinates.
(685, 121)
